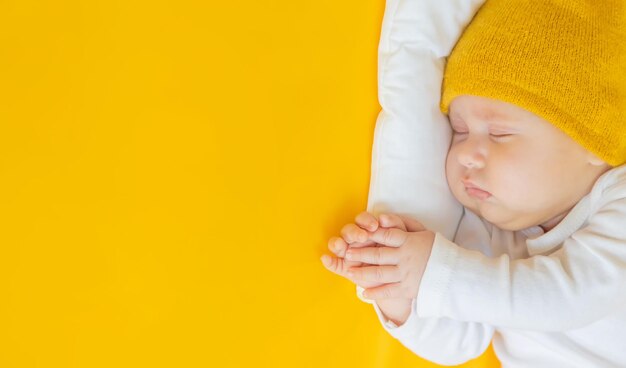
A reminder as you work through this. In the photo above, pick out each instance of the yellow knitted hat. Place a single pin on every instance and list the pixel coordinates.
(564, 60)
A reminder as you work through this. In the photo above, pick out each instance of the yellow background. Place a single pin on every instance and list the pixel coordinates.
(171, 172)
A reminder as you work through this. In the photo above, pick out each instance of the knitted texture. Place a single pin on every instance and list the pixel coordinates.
(563, 60)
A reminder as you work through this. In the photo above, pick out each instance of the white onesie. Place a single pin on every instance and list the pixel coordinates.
(555, 299)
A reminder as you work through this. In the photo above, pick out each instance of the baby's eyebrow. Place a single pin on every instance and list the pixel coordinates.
(495, 121)
(489, 116)
(494, 115)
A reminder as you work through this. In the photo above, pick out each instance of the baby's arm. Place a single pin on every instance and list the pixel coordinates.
(440, 340)
(578, 284)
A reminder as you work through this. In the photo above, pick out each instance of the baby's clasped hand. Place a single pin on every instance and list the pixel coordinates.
(352, 236)
(395, 265)
(399, 265)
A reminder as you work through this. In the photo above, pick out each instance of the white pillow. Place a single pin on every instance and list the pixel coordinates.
(412, 135)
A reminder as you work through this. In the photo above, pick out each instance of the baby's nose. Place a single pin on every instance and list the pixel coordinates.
(470, 156)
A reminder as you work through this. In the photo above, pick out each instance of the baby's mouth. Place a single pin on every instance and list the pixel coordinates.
(477, 193)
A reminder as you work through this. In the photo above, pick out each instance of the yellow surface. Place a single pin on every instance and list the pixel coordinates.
(170, 175)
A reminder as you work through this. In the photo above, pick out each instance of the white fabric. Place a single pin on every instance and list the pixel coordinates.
(412, 136)
(548, 300)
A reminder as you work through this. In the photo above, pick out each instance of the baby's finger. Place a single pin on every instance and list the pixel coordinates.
(390, 236)
(366, 221)
(334, 265)
(374, 255)
(338, 246)
(391, 220)
(382, 274)
(386, 291)
(354, 234)
(338, 265)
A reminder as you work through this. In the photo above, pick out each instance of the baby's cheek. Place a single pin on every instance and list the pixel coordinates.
(453, 173)
(449, 169)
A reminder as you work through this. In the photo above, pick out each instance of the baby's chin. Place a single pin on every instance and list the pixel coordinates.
(502, 221)
(492, 214)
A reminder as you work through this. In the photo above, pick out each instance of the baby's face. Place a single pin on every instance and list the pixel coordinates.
(533, 173)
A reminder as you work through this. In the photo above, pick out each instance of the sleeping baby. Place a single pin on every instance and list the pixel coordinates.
(535, 93)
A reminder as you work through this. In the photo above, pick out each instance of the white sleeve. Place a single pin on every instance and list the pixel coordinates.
(581, 282)
(441, 340)
(444, 340)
